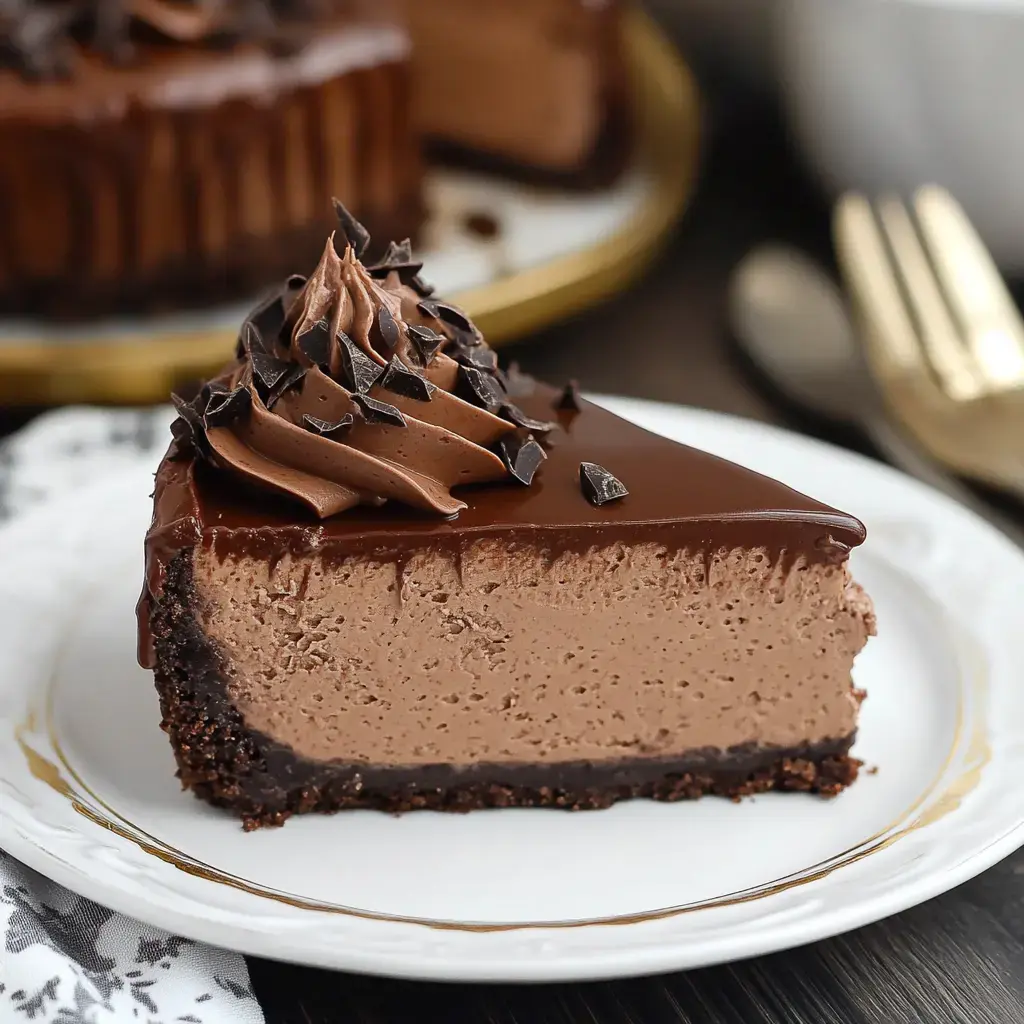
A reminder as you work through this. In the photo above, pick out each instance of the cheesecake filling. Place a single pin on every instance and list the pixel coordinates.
(509, 655)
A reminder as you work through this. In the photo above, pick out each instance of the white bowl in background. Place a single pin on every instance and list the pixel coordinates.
(891, 94)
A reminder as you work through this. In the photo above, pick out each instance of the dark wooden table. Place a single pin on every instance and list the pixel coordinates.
(959, 958)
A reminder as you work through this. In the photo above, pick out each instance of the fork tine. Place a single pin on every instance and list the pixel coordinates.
(890, 338)
(950, 360)
(974, 288)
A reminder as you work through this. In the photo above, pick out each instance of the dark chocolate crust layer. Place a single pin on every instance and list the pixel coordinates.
(264, 783)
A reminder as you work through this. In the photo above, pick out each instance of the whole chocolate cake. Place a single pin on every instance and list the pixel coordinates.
(384, 573)
(159, 154)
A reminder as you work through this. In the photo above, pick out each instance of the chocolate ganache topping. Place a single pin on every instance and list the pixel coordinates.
(355, 387)
(39, 37)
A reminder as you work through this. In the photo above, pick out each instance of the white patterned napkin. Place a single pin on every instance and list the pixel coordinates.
(63, 958)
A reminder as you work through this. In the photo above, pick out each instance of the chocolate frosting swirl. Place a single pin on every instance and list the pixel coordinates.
(39, 37)
(357, 387)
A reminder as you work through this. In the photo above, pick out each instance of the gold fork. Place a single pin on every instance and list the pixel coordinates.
(941, 333)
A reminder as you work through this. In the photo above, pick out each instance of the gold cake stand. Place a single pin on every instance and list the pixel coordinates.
(144, 368)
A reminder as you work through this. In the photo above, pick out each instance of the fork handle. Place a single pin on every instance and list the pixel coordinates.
(905, 455)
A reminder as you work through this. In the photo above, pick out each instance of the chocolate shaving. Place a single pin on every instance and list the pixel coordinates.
(463, 338)
(403, 381)
(522, 456)
(389, 330)
(598, 485)
(379, 412)
(520, 419)
(428, 307)
(570, 400)
(224, 406)
(269, 370)
(332, 431)
(359, 370)
(454, 316)
(188, 430)
(398, 255)
(421, 287)
(315, 344)
(355, 234)
(398, 258)
(425, 342)
(483, 387)
(250, 340)
(289, 380)
(481, 357)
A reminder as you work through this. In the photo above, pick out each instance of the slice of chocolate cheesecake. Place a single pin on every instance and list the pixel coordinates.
(383, 573)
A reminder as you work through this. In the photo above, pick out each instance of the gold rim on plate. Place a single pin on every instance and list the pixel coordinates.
(145, 369)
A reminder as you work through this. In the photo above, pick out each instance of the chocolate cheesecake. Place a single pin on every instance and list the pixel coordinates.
(383, 573)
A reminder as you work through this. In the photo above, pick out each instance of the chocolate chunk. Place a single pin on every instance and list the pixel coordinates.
(464, 338)
(332, 431)
(425, 342)
(403, 381)
(315, 344)
(522, 456)
(188, 430)
(569, 400)
(483, 387)
(224, 406)
(389, 329)
(454, 316)
(379, 412)
(397, 256)
(268, 369)
(520, 419)
(289, 380)
(250, 339)
(359, 371)
(398, 252)
(355, 234)
(450, 315)
(598, 485)
(428, 307)
(480, 357)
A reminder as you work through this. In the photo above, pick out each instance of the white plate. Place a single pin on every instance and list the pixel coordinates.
(89, 798)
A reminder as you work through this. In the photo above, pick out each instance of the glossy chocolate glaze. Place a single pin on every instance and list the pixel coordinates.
(679, 497)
